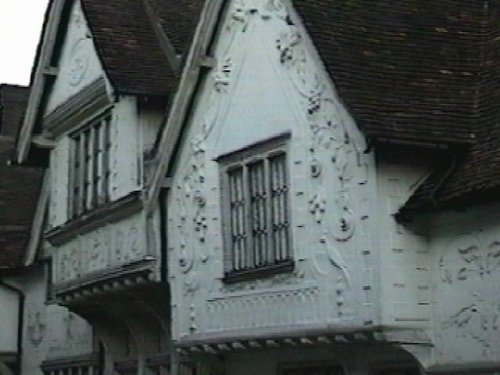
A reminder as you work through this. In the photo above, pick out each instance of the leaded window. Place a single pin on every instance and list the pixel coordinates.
(257, 215)
(90, 166)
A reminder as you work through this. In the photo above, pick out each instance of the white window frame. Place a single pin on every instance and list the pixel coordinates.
(256, 215)
(90, 169)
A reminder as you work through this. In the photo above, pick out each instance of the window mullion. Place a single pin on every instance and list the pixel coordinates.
(95, 164)
(270, 256)
(81, 177)
(90, 168)
(74, 175)
(249, 245)
(107, 160)
(100, 162)
(230, 212)
(286, 219)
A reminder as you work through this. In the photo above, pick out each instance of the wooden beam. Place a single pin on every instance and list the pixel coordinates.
(182, 99)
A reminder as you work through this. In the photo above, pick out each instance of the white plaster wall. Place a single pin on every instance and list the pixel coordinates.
(126, 155)
(59, 182)
(79, 63)
(9, 313)
(465, 257)
(403, 249)
(49, 331)
(268, 81)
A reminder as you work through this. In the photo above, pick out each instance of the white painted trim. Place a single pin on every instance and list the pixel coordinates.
(173, 127)
(43, 142)
(47, 41)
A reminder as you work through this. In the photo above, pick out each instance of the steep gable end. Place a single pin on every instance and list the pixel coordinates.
(78, 63)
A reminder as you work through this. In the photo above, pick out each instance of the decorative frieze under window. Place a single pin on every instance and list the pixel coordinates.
(312, 369)
(256, 210)
(90, 166)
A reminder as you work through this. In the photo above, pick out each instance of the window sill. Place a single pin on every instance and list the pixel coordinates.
(110, 212)
(258, 273)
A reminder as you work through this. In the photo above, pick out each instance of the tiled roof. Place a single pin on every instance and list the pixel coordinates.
(19, 186)
(179, 19)
(407, 69)
(13, 101)
(127, 46)
(425, 71)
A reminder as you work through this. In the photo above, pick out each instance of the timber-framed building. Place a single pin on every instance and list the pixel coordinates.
(268, 187)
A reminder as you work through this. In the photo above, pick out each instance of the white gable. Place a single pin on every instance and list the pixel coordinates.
(269, 81)
(78, 64)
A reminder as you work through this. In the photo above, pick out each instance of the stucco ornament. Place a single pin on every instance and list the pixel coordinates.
(110, 246)
(120, 242)
(468, 295)
(36, 326)
(329, 136)
(71, 329)
(193, 222)
(94, 247)
(328, 133)
(79, 62)
(242, 12)
(134, 241)
(317, 206)
(335, 258)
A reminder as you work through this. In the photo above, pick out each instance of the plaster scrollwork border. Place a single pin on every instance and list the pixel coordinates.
(193, 222)
(329, 137)
(79, 63)
(36, 325)
(330, 147)
(469, 309)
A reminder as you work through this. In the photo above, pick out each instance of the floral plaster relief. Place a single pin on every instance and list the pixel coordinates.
(469, 307)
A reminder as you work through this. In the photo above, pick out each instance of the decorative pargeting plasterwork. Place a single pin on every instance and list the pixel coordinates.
(469, 307)
(105, 248)
(333, 155)
(193, 222)
(80, 58)
(329, 137)
(265, 308)
(79, 62)
(336, 159)
(36, 325)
